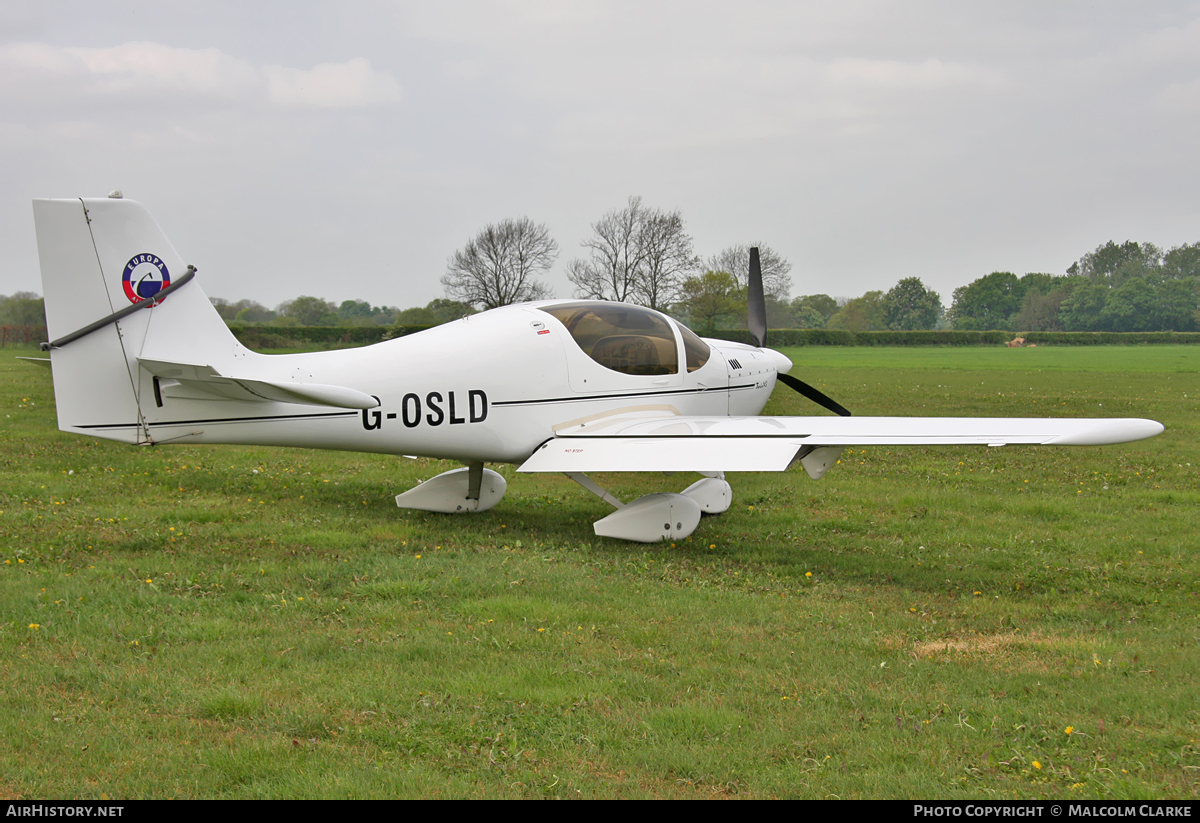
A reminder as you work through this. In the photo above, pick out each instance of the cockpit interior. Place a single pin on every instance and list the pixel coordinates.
(629, 339)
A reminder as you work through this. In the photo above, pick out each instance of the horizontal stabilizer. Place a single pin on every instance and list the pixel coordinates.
(189, 381)
(37, 361)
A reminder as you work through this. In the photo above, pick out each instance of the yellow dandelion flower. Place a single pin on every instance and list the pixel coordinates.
(1037, 765)
(35, 626)
(1069, 730)
(808, 574)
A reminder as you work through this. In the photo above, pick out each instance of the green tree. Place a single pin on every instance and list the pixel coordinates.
(1182, 261)
(1044, 295)
(713, 298)
(864, 313)
(224, 308)
(24, 308)
(359, 313)
(1115, 264)
(1040, 310)
(416, 316)
(987, 303)
(822, 305)
(779, 313)
(243, 311)
(1081, 309)
(807, 317)
(309, 311)
(1039, 281)
(444, 310)
(1176, 304)
(434, 313)
(1129, 307)
(909, 305)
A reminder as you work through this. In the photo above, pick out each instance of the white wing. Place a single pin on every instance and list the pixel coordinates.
(712, 444)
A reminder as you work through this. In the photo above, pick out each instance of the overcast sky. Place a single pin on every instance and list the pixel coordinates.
(347, 150)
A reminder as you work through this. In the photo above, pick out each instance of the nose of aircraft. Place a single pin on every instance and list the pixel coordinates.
(782, 364)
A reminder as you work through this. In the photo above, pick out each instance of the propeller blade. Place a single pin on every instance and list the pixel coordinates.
(756, 307)
(756, 322)
(820, 398)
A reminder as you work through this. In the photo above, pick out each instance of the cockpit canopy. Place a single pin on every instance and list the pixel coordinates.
(628, 339)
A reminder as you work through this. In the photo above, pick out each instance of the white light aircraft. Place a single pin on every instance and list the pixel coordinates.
(139, 355)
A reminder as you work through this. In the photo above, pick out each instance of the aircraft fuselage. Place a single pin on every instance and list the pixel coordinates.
(491, 387)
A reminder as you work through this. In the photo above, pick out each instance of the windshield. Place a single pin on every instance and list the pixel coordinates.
(697, 350)
(624, 338)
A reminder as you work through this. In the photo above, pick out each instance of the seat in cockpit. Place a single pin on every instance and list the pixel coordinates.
(633, 353)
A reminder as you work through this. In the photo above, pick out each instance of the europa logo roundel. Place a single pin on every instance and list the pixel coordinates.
(145, 276)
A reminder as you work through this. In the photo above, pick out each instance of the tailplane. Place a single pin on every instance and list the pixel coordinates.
(117, 292)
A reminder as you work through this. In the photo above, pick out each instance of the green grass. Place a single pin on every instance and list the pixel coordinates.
(1033, 359)
(225, 622)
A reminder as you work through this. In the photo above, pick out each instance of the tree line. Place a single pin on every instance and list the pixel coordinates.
(1130, 287)
(644, 255)
(307, 310)
(28, 309)
(640, 254)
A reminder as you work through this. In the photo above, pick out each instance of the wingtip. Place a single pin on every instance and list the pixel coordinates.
(1109, 432)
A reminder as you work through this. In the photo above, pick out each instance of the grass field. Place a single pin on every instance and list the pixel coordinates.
(921, 623)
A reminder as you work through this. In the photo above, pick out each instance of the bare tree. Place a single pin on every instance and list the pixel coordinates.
(615, 256)
(636, 255)
(496, 268)
(669, 260)
(736, 261)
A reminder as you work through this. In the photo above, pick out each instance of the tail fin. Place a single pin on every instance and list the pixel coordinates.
(98, 258)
